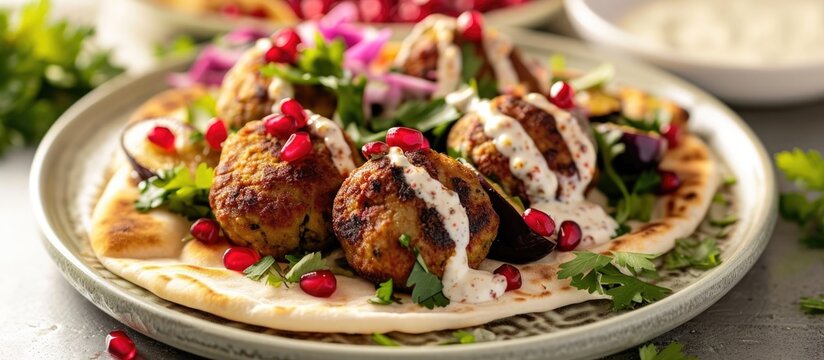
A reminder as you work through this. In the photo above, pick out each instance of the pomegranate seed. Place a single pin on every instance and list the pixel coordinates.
(539, 222)
(569, 236)
(414, 10)
(259, 13)
(163, 138)
(374, 149)
(669, 181)
(216, 134)
(206, 231)
(293, 109)
(279, 125)
(470, 25)
(297, 147)
(374, 11)
(562, 95)
(230, 9)
(512, 275)
(278, 55)
(321, 283)
(120, 345)
(425, 144)
(313, 9)
(239, 258)
(405, 138)
(672, 132)
(287, 39)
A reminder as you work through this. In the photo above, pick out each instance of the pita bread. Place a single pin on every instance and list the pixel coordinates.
(147, 249)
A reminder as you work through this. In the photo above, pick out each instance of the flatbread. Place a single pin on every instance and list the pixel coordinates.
(147, 250)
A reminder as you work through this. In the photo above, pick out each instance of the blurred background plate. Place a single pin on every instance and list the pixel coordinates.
(768, 83)
(77, 149)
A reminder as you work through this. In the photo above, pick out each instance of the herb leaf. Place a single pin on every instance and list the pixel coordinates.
(427, 289)
(384, 295)
(813, 305)
(310, 262)
(673, 351)
(384, 340)
(178, 191)
(807, 170)
(260, 268)
(404, 239)
(464, 337)
(691, 252)
(602, 274)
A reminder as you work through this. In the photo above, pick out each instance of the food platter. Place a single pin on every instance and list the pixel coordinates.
(80, 145)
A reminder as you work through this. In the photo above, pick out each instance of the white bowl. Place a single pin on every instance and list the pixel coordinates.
(750, 84)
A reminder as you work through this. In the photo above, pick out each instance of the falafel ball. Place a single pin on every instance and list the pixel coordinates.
(273, 206)
(468, 137)
(247, 95)
(375, 206)
(423, 54)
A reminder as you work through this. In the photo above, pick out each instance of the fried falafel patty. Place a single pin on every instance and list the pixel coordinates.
(375, 206)
(468, 137)
(270, 205)
(247, 95)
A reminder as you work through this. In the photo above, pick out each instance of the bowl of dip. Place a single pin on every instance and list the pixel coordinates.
(753, 52)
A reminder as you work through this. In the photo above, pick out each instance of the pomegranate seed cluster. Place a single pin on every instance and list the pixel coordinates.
(569, 232)
(292, 117)
(284, 47)
(384, 11)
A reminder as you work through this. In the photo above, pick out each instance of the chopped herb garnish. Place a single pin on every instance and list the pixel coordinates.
(181, 46)
(719, 198)
(594, 78)
(813, 305)
(602, 274)
(404, 240)
(673, 351)
(384, 295)
(725, 221)
(260, 268)
(178, 191)
(384, 340)
(730, 181)
(691, 252)
(427, 289)
(807, 170)
(464, 337)
(310, 262)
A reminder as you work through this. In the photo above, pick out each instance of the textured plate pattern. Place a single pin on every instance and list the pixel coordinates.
(78, 148)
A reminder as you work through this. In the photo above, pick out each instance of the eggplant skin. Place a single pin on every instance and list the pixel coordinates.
(468, 137)
(375, 206)
(244, 94)
(272, 206)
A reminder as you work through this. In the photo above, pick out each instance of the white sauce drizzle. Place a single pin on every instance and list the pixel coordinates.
(335, 141)
(278, 90)
(498, 49)
(460, 282)
(528, 164)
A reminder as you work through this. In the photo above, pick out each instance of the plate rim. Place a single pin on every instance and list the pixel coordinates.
(729, 272)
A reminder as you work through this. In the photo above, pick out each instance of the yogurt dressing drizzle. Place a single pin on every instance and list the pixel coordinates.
(335, 141)
(460, 282)
(498, 48)
(528, 164)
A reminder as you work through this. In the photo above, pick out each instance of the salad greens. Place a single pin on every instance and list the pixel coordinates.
(45, 66)
(692, 252)
(179, 191)
(608, 275)
(806, 206)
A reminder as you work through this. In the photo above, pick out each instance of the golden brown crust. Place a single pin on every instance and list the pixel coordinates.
(270, 205)
(375, 207)
(168, 103)
(468, 136)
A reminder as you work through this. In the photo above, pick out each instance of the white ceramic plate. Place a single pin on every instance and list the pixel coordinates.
(768, 84)
(79, 146)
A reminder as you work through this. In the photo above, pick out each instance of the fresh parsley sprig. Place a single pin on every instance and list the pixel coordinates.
(804, 207)
(45, 66)
(270, 270)
(692, 252)
(673, 351)
(427, 289)
(178, 191)
(384, 295)
(597, 273)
